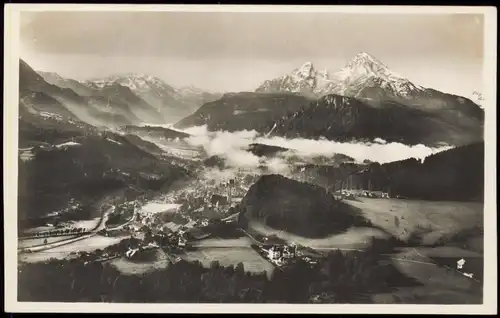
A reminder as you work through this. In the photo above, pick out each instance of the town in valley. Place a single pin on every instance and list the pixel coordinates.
(356, 179)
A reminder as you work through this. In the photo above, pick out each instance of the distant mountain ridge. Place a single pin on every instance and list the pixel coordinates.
(172, 103)
(151, 99)
(372, 102)
(363, 70)
(244, 110)
(365, 99)
(367, 78)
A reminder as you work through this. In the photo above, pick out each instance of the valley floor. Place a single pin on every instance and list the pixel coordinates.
(433, 266)
(433, 236)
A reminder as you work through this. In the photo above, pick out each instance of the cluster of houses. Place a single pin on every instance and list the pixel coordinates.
(345, 194)
(280, 254)
(131, 253)
(349, 195)
(370, 194)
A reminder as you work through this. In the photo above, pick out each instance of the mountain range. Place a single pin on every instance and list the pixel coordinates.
(133, 98)
(362, 73)
(65, 123)
(364, 100)
(367, 78)
(172, 103)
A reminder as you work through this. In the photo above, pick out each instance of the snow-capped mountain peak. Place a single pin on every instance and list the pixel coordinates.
(361, 72)
(364, 59)
(365, 70)
(365, 65)
(136, 82)
(306, 70)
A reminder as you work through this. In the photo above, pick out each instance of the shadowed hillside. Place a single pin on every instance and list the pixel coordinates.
(342, 118)
(86, 169)
(300, 208)
(240, 111)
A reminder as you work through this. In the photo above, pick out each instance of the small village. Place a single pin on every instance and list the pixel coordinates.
(198, 213)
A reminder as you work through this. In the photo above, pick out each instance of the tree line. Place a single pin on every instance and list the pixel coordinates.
(456, 174)
(60, 232)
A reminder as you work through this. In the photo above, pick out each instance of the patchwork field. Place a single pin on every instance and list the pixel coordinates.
(224, 243)
(252, 261)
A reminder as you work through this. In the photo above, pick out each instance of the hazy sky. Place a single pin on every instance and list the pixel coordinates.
(237, 51)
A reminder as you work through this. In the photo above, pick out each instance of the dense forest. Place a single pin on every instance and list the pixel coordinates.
(339, 278)
(298, 207)
(456, 174)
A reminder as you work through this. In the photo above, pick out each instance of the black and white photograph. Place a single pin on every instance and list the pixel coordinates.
(250, 156)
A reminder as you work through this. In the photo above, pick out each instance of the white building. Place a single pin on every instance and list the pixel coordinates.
(131, 252)
(274, 253)
(289, 252)
(182, 242)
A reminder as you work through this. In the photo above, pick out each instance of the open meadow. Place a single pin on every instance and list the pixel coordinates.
(27, 243)
(431, 220)
(252, 261)
(430, 223)
(63, 251)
